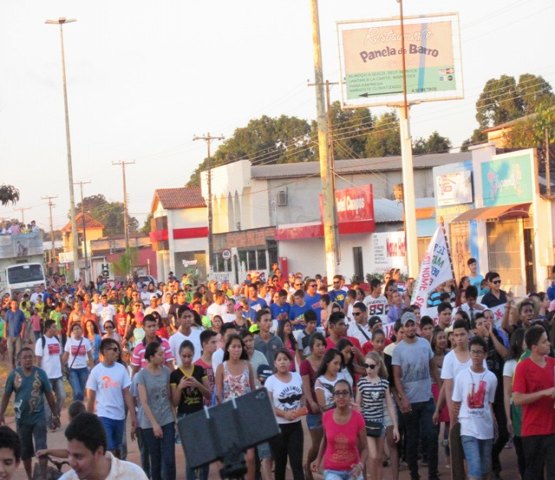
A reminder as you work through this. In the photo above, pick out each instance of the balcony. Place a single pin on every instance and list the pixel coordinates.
(21, 245)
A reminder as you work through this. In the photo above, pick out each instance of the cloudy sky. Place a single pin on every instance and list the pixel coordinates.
(144, 77)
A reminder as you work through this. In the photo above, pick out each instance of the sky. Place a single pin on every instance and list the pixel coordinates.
(145, 77)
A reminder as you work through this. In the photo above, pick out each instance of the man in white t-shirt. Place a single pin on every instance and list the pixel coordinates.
(457, 360)
(360, 328)
(375, 302)
(108, 392)
(219, 306)
(48, 354)
(185, 318)
(473, 396)
(105, 312)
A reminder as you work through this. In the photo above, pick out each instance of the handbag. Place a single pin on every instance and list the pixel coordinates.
(373, 429)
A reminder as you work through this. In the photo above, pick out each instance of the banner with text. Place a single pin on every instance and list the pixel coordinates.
(434, 269)
(372, 60)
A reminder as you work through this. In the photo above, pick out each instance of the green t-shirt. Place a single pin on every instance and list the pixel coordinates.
(2, 328)
(29, 395)
(57, 317)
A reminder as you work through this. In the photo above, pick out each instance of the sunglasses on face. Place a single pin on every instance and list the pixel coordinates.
(371, 366)
(497, 282)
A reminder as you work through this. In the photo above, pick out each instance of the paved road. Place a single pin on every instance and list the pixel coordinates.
(57, 440)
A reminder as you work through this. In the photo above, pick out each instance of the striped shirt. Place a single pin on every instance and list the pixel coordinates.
(372, 399)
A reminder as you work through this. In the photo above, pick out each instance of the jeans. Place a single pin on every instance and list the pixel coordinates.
(478, 455)
(143, 449)
(539, 451)
(419, 425)
(14, 346)
(161, 451)
(59, 392)
(78, 381)
(289, 443)
(114, 432)
(340, 475)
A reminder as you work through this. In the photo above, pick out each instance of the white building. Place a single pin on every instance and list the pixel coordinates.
(179, 231)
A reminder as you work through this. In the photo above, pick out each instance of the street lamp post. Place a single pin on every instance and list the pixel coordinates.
(61, 21)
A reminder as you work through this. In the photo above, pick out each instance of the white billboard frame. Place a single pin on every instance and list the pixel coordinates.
(396, 98)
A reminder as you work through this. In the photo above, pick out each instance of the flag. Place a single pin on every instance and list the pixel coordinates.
(434, 269)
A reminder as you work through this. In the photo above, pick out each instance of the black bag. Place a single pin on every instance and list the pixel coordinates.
(374, 429)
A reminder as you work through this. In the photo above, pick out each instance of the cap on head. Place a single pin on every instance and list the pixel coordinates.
(408, 317)
(264, 371)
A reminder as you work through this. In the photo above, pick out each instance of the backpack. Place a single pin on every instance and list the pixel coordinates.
(43, 341)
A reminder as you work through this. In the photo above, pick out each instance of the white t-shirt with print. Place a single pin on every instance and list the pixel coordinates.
(51, 361)
(80, 357)
(476, 392)
(286, 396)
(452, 366)
(108, 383)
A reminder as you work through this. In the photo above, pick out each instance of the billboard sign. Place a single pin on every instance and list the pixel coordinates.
(508, 179)
(389, 251)
(454, 188)
(371, 60)
(354, 204)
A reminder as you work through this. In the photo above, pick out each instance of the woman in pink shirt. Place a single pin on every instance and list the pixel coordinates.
(344, 449)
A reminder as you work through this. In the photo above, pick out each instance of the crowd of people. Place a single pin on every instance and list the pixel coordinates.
(367, 374)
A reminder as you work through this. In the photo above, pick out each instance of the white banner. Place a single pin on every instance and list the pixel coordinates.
(434, 269)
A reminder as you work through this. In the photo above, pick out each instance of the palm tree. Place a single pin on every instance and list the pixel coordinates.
(8, 194)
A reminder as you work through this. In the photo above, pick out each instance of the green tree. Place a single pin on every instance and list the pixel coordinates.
(384, 139)
(110, 214)
(264, 140)
(8, 194)
(146, 226)
(124, 264)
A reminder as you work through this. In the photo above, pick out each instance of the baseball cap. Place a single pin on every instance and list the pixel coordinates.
(407, 317)
(154, 296)
(254, 328)
(373, 320)
(264, 371)
(237, 306)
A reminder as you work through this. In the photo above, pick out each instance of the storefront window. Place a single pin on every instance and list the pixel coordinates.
(252, 260)
(261, 254)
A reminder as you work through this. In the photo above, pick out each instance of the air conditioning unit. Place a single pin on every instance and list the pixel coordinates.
(282, 198)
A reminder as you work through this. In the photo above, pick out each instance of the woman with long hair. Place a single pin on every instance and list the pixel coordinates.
(345, 347)
(326, 377)
(235, 377)
(344, 449)
(285, 392)
(285, 332)
(92, 334)
(157, 424)
(374, 397)
(309, 367)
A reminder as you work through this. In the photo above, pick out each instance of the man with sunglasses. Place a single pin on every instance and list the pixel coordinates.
(108, 392)
(312, 297)
(360, 328)
(495, 296)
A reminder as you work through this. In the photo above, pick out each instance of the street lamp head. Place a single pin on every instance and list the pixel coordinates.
(60, 21)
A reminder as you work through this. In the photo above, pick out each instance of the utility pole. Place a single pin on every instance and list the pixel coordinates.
(331, 163)
(409, 200)
(125, 220)
(52, 248)
(208, 139)
(22, 210)
(61, 21)
(326, 172)
(547, 163)
(84, 226)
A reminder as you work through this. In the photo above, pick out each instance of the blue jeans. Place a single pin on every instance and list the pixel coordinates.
(478, 455)
(340, 475)
(114, 432)
(161, 451)
(78, 381)
(59, 392)
(419, 426)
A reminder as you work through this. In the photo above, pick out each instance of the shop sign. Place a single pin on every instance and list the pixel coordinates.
(508, 179)
(353, 204)
(454, 188)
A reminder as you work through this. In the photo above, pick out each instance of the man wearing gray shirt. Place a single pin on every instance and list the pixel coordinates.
(411, 372)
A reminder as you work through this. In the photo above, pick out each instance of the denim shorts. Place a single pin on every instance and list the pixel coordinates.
(314, 421)
(263, 450)
(478, 455)
(340, 475)
(29, 432)
(114, 432)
